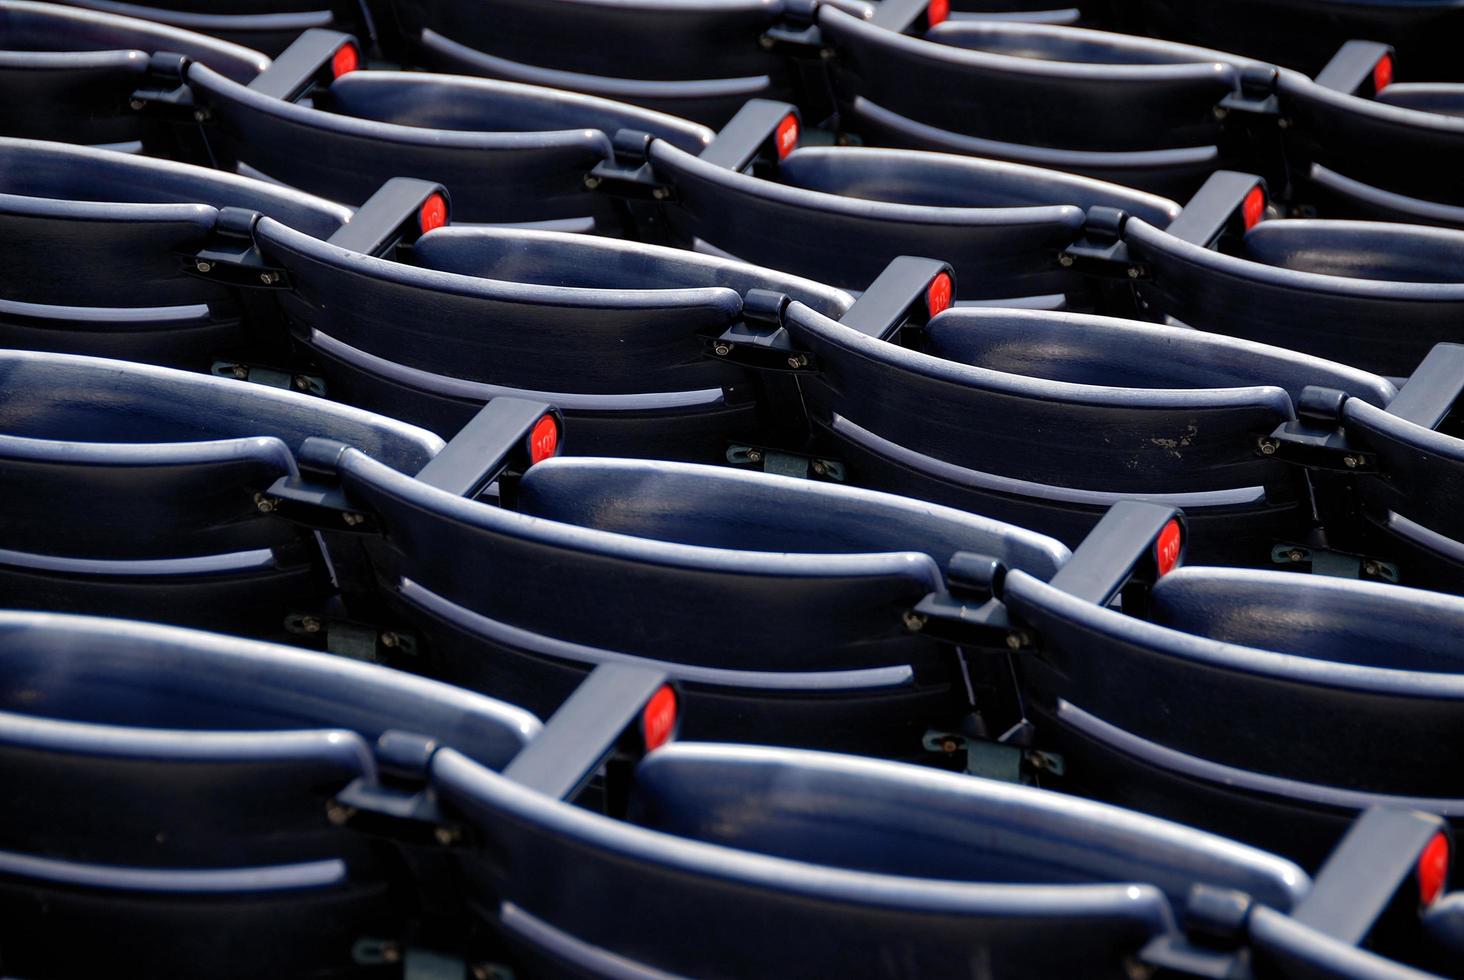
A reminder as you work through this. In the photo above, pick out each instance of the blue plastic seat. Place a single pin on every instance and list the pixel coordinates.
(267, 25)
(71, 73)
(779, 604)
(94, 244)
(1387, 151)
(510, 153)
(1076, 412)
(1303, 34)
(132, 490)
(1333, 696)
(1372, 294)
(181, 816)
(1131, 110)
(700, 60)
(611, 332)
(840, 214)
(835, 863)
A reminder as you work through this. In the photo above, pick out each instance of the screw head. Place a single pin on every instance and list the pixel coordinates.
(269, 278)
(797, 361)
(1371, 569)
(310, 624)
(447, 836)
(1350, 462)
(137, 105)
(1269, 447)
(1066, 261)
(352, 519)
(754, 456)
(819, 467)
(203, 266)
(948, 746)
(914, 622)
(389, 639)
(265, 505)
(200, 115)
(1295, 555)
(660, 193)
(338, 814)
(1017, 639)
(241, 372)
(301, 383)
(592, 182)
(1133, 272)
(765, 42)
(721, 350)
(1221, 112)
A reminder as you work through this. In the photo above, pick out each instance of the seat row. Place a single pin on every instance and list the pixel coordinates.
(665, 353)
(200, 804)
(1151, 114)
(790, 611)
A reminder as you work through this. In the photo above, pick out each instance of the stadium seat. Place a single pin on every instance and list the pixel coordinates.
(1135, 111)
(1076, 411)
(188, 797)
(316, 122)
(270, 26)
(1371, 294)
(779, 604)
(698, 60)
(1303, 34)
(428, 327)
(81, 76)
(840, 214)
(1333, 696)
(871, 867)
(1372, 147)
(101, 252)
(135, 491)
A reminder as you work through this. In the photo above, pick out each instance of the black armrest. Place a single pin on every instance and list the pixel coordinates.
(399, 213)
(1132, 546)
(1362, 68)
(762, 133)
(505, 438)
(316, 57)
(1228, 203)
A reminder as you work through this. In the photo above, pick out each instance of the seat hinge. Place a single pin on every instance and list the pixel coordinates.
(163, 91)
(628, 172)
(1331, 563)
(347, 638)
(230, 255)
(1211, 945)
(310, 384)
(1101, 250)
(1315, 439)
(1256, 95)
(783, 463)
(397, 802)
(759, 340)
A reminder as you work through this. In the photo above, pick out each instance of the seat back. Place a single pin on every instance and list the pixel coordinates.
(981, 88)
(630, 39)
(614, 330)
(1407, 151)
(125, 224)
(270, 26)
(841, 239)
(1343, 318)
(1333, 697)
(497, 177)
(484, 105)
(1126, 425)
(210, 764)
(581, 889)
(803, 607)
(111, 461)
(79, 68)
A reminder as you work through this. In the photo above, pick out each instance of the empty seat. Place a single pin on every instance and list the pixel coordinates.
(1045, 419)
(1135, 111)
(270, 26)
(700, 60)
(1372, 294)
(840, 214)
(1375, 147)
(779, 604)
(71, 74)
(1303, 34)
(94, 245)
(1333, 695)
(134, 490)
(836, 864)
(611, 332)
(182, 813)
(511, 153)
